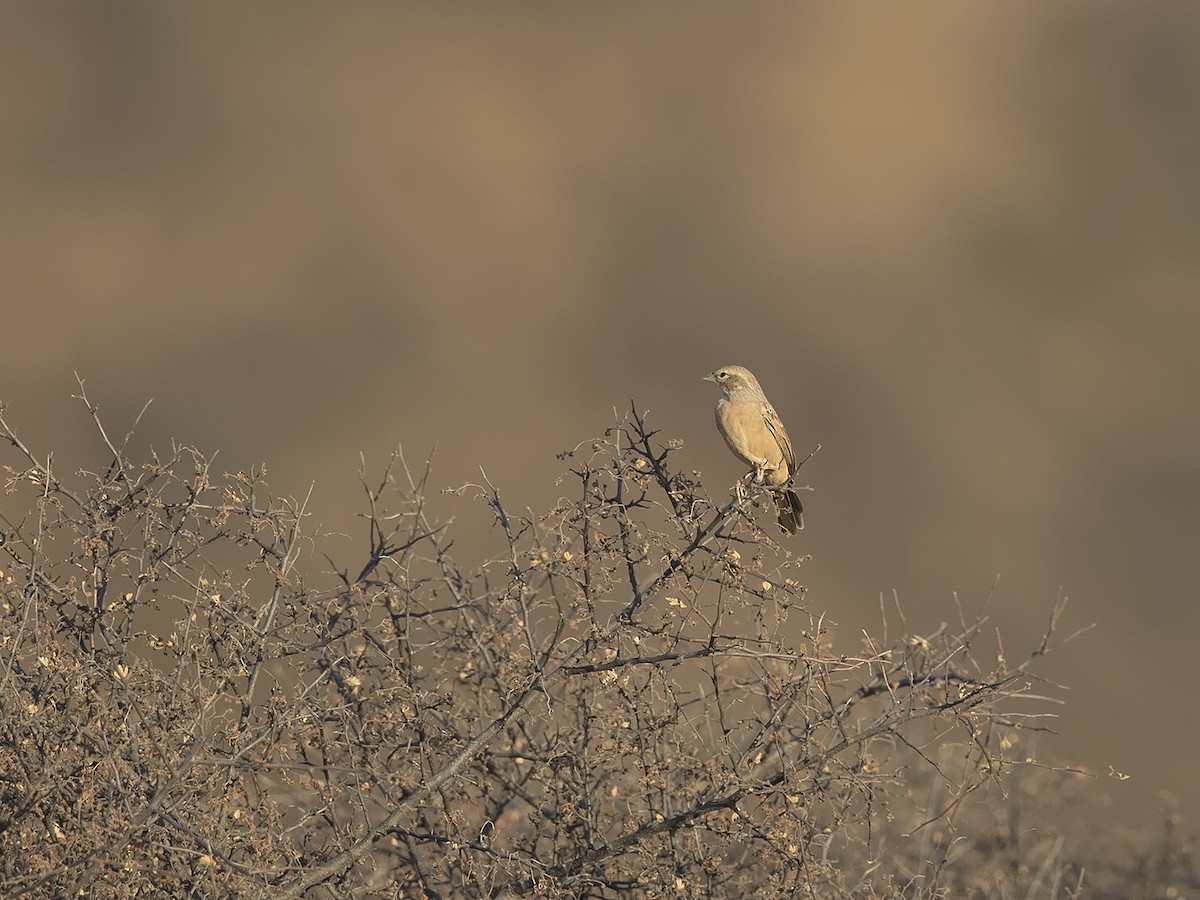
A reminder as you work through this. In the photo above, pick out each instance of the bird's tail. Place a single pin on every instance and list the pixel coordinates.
(791, 513)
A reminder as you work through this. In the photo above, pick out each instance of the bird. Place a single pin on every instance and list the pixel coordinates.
(755, 434)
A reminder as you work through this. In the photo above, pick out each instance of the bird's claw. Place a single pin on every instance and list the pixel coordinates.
(760, 471)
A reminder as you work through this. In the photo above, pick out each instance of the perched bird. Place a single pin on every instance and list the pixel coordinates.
(752, 429)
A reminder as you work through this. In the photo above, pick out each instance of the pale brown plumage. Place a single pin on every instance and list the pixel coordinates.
(753, 431)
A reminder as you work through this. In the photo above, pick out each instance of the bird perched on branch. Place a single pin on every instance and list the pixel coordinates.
(751, 428)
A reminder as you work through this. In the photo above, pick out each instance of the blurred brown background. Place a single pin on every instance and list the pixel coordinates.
(959, 245)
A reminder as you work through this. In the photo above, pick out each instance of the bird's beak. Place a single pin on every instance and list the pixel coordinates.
(711, 376)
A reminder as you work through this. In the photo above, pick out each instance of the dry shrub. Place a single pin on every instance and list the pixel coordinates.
(632, 700)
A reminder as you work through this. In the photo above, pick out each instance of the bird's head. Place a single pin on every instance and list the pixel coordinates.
(734, 379)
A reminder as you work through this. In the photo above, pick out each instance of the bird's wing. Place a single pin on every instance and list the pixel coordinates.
(775, 426)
